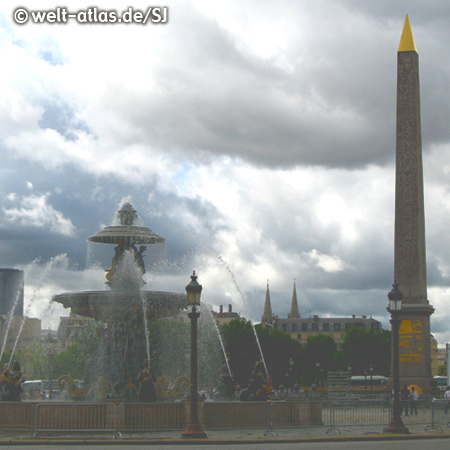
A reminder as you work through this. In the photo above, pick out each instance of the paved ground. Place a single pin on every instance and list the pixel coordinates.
(275, 438)
(417, 444)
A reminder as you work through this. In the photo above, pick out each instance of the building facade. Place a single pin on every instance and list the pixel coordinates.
(70, 329)
(301, 329)
(222, 316)
(11, 292)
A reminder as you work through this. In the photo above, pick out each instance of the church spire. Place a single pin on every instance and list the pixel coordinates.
(294, 314)
(267, 317)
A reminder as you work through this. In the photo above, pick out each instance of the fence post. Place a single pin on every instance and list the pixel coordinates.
(34, 421)
(433, 426)
(270, 431)
(331, 429)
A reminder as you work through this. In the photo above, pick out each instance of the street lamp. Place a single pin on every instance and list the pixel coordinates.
(371, 377)
(317, 373)
(50, 341)
(395, 305)
(289, 375)
(194, 428)
(349, 372)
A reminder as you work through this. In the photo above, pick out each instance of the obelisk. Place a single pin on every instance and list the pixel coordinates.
(410, 271)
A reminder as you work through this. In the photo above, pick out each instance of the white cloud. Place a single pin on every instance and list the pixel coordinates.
(35, 211)
(329, 263)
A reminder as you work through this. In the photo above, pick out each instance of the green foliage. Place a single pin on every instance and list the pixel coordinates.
(442, 370)
(277, 348)
(241, 348)
(73, 360)
(170, 349)
(35, 363)
(319, 354)
(35, 360)
(362, 348)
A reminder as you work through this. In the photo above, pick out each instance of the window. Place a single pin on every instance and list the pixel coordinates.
(304, 327)
(331, 326)
(320, 326)
(299, 337)
(309, 327)
(326, 327)
(315, 326)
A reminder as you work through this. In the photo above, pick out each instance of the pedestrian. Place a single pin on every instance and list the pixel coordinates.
(447, 399)
(413, 397)
(404, 397)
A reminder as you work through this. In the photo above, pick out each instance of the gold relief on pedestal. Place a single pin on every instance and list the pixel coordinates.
(411, 345)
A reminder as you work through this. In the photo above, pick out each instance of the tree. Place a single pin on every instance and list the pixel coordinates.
(362, 348)
(319, 354)
(279, 350)
(242, 349)
(442, 370)
(74, 359)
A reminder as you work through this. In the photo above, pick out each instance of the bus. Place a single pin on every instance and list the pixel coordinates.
(368, 381)
(441, 382)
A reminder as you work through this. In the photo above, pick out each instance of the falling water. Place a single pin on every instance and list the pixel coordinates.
(25, 317)
(144, 313)
(227, 267)
(17, 338)
(221, 342)
(16, 301)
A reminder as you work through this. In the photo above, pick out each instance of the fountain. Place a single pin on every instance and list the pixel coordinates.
(126, 308)
(127, 313)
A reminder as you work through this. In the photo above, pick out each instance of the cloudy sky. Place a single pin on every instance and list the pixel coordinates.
(257, 137)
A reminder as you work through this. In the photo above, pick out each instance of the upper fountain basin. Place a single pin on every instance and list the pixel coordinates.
(103, 305)
(123, 234)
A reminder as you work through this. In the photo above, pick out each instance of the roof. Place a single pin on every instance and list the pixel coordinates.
(329, 320)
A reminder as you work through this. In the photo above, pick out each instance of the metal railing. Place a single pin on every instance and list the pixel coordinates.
(18, 417)
(83, 417)
(141, 417)
(127, 418)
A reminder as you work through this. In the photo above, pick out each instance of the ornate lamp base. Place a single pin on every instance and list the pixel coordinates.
(194, 431)
(396, 428)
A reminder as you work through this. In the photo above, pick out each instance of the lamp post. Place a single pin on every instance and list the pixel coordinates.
(317, 372)
(371, 377)
(194, 428)
(395, 305)
(290, 376)
(50, 341)
(349, 372)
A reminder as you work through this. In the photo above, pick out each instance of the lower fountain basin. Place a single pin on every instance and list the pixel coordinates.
(105, 305)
